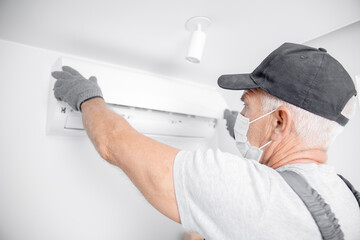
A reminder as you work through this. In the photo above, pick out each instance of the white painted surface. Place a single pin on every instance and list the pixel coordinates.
(151, 35)
(59, 188)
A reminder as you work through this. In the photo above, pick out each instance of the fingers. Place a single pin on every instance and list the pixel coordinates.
(58, 83)
(226, 113)
(58, 89)
(93, 79)
(57, 96)
(68, 73)
(62, 75)
(230, 114)
(57, 93)
(71, 71)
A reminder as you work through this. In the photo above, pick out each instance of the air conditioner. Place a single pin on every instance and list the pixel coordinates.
(152, 104)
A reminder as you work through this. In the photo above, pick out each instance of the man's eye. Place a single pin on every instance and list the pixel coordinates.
(244, 109)
(242, 106)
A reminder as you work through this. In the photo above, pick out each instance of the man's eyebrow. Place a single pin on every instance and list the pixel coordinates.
(243, 96)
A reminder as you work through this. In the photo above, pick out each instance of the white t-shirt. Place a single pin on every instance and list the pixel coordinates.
(223, 196)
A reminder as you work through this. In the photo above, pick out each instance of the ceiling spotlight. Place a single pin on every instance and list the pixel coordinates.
(197, 26)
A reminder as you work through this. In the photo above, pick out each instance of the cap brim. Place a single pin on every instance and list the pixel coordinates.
(237, 82)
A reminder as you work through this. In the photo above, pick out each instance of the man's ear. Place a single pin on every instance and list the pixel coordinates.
(282, 123)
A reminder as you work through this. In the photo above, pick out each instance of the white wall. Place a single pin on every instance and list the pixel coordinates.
(58, 187)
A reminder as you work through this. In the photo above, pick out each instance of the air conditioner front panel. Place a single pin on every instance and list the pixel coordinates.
(152, 104)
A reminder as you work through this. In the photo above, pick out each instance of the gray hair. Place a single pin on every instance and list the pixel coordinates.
(312, 130)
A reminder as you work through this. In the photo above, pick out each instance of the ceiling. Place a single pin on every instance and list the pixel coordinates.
(151, 35)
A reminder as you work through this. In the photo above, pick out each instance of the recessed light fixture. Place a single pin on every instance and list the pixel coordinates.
(197, 26)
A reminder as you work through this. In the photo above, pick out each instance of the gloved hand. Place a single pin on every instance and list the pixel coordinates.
(72, 88)
(230, 117)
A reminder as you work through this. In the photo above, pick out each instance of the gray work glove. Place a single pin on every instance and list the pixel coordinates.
(72, 88)
(230, 117)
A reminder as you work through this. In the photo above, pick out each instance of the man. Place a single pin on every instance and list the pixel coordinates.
(295, 103)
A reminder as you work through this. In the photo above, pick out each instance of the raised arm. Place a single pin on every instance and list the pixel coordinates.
(148, 163)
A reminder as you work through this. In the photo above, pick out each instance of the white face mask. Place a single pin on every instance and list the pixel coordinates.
(240, 131)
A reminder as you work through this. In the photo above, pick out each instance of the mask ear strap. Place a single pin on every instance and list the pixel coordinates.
(263, 116)
(265, 144)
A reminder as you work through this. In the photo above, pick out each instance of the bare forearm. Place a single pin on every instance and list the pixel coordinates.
(97, 120)
(147, 163)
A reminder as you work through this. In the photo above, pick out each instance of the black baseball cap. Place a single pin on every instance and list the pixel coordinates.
(301, 75)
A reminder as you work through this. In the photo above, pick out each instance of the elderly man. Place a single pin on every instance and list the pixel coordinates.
(279, 187)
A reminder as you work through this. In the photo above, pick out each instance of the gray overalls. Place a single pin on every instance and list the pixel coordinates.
(320, 211)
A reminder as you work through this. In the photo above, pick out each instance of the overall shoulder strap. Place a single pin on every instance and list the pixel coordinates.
(320, 211)
(352, 189)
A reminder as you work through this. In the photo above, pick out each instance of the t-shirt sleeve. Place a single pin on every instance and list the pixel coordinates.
(217, 192)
